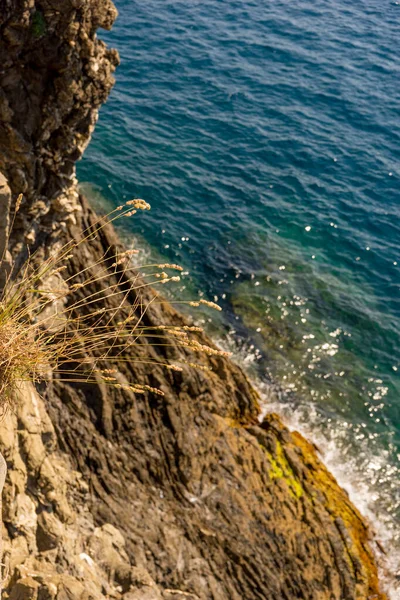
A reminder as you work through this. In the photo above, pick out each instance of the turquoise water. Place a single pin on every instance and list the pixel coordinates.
(266, 137)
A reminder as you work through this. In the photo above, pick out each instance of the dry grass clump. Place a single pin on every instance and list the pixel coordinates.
(54, 320)
(22, 357)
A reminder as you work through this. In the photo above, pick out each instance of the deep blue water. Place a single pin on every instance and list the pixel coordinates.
(266, 136)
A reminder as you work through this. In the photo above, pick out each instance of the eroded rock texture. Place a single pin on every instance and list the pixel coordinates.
(113, 494)
(141, 497)
(54, 75)
(5, 206)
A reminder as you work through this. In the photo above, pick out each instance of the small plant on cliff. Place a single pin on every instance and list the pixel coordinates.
(56, 318)
(38, 25)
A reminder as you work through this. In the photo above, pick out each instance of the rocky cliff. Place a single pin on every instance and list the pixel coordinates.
(110, 494)
(54, 75)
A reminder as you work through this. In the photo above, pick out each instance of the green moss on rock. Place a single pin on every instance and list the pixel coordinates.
(39, 25)
(281, 469)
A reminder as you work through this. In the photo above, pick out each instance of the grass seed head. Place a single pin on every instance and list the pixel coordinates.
(70, 334)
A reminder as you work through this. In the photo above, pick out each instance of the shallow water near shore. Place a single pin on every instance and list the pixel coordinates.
(266, 138)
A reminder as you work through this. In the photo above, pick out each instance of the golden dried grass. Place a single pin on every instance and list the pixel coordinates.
(43, 331)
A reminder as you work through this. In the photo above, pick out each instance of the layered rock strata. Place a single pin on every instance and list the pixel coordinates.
(110, 494)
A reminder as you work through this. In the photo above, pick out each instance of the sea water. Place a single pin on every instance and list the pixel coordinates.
(266, 137)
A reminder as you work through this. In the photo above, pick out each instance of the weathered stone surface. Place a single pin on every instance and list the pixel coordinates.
(181, 496)
(25, 589)
(54, 75)
(122, 496)
(49, 555)
(5, 206)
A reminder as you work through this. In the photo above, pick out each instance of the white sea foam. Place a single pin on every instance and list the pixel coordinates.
(359, 473)
(355, 457)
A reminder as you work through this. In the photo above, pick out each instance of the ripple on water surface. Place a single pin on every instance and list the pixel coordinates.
(266, 137)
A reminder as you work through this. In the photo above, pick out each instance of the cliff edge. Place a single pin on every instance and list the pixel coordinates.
(110, 494)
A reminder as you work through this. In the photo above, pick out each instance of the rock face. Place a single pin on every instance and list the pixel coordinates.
(110, 494)
(54, 75)
(5, 206)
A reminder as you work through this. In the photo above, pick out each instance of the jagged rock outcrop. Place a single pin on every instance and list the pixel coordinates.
(110, 494)
(113, 494)
(54, 75)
